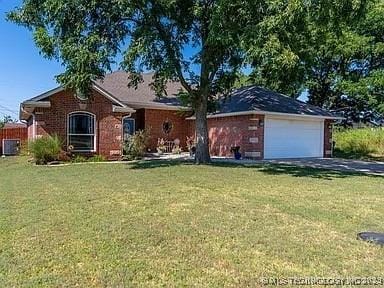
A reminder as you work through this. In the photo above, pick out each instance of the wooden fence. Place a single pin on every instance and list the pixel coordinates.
(13, 133)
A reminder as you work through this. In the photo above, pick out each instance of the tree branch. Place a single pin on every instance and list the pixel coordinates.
(172, 55)
(170, 51)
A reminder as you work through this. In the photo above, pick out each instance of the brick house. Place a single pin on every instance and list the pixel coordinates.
(265, 124)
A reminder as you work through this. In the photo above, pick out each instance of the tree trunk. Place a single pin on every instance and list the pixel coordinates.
(202, 146)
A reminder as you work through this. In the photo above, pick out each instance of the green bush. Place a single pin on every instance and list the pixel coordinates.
(79, 159)
(45, 149)
(134, 147)
(359, 143)
(97, 158)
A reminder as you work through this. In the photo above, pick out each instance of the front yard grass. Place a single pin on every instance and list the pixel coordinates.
(177, 224)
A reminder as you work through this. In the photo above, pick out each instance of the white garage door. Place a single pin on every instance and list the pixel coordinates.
(293, 138)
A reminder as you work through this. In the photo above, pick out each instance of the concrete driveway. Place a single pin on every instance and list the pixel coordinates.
(356, 166)
(336, 164)
(369, 167)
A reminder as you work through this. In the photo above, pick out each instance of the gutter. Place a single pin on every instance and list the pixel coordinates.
(119, 109)
(158, 106)
(27, 108)
(268, 113)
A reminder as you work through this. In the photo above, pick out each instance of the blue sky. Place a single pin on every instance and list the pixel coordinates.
(24, 72)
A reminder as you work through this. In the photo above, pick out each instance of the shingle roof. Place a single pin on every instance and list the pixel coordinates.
(250, 98)
(116, 83)
(254, 98)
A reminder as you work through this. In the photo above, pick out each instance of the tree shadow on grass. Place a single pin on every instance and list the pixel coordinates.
(319, 173)
(158, 163)
(266, 168)
(365, 156)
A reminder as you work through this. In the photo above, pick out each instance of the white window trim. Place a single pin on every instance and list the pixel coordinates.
(94, 131)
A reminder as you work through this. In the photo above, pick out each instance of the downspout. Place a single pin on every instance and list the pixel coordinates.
(33, 126)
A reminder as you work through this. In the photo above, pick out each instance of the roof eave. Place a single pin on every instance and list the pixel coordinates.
(36, 104)
(118, 109)
(28, 107)
(141, 105)
(261, 112)
(45, 94)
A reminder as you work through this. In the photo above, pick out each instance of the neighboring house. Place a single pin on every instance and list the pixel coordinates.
(263, 123)
(14, 125)
(15, 132)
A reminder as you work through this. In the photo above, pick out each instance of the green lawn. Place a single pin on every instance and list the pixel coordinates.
(175, 224)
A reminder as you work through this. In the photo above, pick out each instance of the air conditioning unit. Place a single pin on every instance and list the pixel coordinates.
(11, 147)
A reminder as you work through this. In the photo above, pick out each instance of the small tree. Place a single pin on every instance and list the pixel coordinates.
(6, 119)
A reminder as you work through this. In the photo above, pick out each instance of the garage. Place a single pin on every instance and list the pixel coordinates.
(293, 138)
(263, 124)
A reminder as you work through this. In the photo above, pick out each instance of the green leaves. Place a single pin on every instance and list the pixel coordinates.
(332, 48)
(319, 46)
(84, 35)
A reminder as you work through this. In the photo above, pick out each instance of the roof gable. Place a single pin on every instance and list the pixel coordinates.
(56, 90)
(116, 83)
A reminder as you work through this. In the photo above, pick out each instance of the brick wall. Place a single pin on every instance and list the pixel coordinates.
(328, 138)
(154, 120)
(246, 131)
(53, 120)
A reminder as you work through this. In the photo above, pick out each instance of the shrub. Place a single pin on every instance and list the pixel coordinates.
(357, 143)
(97, 158)
(24, 151)
(134, 147)
(79, 159)
(64, 156)
(45, 149)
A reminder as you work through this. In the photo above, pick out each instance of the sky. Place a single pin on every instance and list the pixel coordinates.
(24, 73)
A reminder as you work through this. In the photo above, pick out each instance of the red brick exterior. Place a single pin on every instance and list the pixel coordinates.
(154, 120)
(246, 131)
(328, 140)
(54, 120)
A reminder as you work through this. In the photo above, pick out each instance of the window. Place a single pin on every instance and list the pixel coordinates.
(81, 131)
(128, 128)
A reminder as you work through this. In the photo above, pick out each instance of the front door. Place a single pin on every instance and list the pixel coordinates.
(128, 128)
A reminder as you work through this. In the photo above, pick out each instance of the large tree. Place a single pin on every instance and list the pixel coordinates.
(336, 64)
(87, 35)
